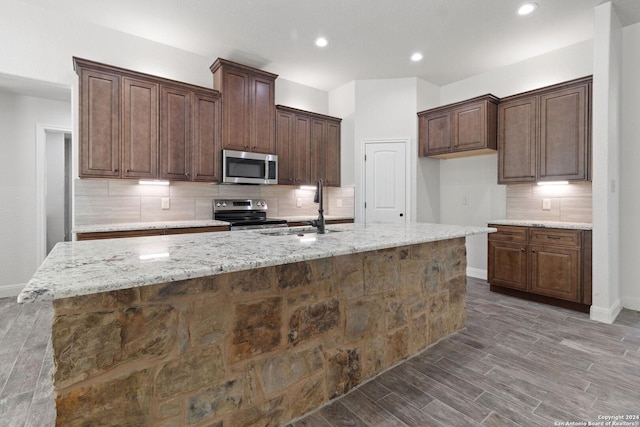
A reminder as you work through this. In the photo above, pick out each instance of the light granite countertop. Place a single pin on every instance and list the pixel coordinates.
(303, 218)
(128, 226)
(544, 224)
(94, 266)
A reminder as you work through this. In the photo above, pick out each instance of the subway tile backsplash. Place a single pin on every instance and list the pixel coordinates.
(568, 203)
(118, 201)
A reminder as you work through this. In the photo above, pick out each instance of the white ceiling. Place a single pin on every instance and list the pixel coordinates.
(368, 39)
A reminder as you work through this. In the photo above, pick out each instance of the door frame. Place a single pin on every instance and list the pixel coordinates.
(408, 173)
(41, 184)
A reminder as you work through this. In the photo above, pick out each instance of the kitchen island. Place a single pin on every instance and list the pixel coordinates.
(246, 328)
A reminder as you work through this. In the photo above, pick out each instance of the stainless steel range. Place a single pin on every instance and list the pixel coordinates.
(245, 214)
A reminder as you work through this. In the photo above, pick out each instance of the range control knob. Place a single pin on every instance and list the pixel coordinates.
(224, 204)
(218, 205)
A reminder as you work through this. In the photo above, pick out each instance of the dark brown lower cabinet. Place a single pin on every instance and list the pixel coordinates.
(545, 264)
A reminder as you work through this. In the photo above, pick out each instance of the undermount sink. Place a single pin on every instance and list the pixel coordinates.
(294, 232)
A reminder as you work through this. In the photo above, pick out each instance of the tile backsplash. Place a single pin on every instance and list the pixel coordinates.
(117, 201)
(568, 203)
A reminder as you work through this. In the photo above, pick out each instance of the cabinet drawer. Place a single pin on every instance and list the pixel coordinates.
(546, 236)
(509, 234)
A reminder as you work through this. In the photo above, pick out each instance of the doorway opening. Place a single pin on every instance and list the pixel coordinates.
(53, 187)
(58, 188)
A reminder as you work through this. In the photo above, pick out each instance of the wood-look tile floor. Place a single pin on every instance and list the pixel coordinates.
(517, 363)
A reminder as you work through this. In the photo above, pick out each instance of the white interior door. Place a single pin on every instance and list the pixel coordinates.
(385, 182)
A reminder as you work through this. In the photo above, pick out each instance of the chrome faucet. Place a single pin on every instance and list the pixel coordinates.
(319, 223)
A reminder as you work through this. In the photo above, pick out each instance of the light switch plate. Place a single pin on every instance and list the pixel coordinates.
(298, 202)
(339, 203)
(546, 204)
(165, 203)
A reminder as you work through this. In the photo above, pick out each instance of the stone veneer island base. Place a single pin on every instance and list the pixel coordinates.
(257, 347)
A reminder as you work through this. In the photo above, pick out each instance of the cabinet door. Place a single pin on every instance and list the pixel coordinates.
(555, 272)
(262, 115)
(470, 127)
(207, 145)
(508, 264)
(235, 109)
(139, 129)
(435, 133)
(564, 136)
(99, 125)
(175, 133)
(517, 135)
(333, 154)
(285, 143)
(318, 149)
(302, 150)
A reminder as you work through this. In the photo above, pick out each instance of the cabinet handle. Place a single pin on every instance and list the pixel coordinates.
(506, 233)
(553, 237)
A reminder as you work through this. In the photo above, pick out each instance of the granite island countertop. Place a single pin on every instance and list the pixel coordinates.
(543, 224)
(95, 266)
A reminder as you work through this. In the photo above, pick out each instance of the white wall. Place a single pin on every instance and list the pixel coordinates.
(18, 118)
(385, 110)
(606, 144)
(629, 176)
(476, 177)
(428, 169)
(295, 95)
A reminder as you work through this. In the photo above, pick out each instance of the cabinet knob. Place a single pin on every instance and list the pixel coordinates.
(521, 249)
(197, 174)
(128, 170)
(401, 214)
(533, 251)
(116, 170)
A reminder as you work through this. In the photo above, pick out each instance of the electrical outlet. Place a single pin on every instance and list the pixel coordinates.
(546, 204)
(465, 200)
(298, 202)
(165, 203)
(339, 203)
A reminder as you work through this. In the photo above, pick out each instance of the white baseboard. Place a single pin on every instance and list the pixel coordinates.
(11, 290)
(604, 314)
(632, 303)
(477, 273)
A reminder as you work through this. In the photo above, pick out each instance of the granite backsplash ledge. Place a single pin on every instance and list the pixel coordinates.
(122, 201)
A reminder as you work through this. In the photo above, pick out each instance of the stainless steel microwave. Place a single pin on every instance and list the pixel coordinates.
(240, 167)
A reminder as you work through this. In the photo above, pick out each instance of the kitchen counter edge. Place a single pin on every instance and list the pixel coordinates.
(543, 224)
(97, 266)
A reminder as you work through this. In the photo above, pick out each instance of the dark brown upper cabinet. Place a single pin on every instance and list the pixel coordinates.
(99, 122)
(135, 125)
(308, 147)
(458, 130)
(139, 128)
(248, 106)
(545, 134)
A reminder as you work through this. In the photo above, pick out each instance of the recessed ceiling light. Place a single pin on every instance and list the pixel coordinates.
(321, 42)
(416, 57)
(527, 8)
